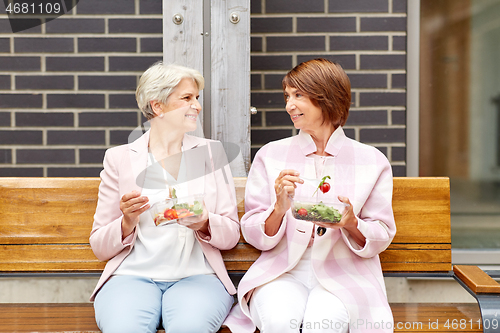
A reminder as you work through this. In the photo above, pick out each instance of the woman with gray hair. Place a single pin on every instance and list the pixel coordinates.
(165, 273)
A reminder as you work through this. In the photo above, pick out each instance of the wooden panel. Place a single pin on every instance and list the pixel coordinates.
(476, 279)
(55, 211)
(47, 210)
(49, 258)
(230, 84)
(416, 317)
(422, 210)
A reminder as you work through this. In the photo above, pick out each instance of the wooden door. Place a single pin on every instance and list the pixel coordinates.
(213, 36)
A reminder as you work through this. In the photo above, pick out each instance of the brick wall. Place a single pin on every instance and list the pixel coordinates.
(67, 86)
(367, 37)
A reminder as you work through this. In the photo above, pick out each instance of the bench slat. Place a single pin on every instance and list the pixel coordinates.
(416, 317)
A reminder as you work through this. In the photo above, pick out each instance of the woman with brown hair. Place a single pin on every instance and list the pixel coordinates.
(321, 276)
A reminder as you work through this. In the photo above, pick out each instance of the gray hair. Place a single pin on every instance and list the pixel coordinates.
(159, 81)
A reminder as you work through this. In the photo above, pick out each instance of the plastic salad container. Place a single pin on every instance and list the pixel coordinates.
(311, 209)
(168, 211)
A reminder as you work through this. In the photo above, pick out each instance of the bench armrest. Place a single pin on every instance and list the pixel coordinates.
(476, 279)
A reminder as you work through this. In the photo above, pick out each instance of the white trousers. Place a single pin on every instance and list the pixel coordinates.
(296, 299)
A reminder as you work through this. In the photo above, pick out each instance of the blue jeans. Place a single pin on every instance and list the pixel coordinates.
(136, 304)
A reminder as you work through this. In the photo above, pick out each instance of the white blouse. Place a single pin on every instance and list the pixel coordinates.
(169, 252)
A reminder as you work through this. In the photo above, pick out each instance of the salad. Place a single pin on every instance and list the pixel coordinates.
(320, 212)
(170, 210)
(311, 209)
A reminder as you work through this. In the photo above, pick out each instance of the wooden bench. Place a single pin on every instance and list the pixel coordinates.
(45, 225)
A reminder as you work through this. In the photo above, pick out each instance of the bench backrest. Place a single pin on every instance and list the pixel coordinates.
(45, 225)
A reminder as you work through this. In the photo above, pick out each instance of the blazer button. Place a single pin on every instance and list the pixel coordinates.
(321, 231)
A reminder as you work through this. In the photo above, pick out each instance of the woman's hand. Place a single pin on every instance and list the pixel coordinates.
(196, 223)
(284, 186)
(349, 222)
(132, 205)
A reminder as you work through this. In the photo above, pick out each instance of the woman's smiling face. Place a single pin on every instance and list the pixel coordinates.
(182, 107)
(304, 114)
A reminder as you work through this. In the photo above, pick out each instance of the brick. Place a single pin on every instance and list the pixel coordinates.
(21, 101)
(152, 45)
(350, 133)
(5, 25)
(271, 24)
(347, 61)
(107, 119)
(5, 119)
(5, 82)
(255, 81)
(22, 26)
(91, 155)
(45, 82)
(383, 61)
(273, 81)
(132, 64)
(150, 7)
(45, 119)
(45, 156)
(267, 100)
(5, 156)
(399, 6)
(278, 118)
(263, 136)
(141, 26)
(20, 64)
(359, 43)
(105, 82)
(253, 151)
(74, 64)
(302, 43)
(358, 6)
(383, 24)
(383, 150)
(367, 117)
(76, 137)
(255, 6)
(399, 170)
(4, 45)
(399, 43)
(73, 172)
(75, 26)
(368, 80)
(271, 62)
(43, 45)
(107, 45)
(398, 80)
(122, 101)
(100, 7)
(118, 137)
(295, 6)
(256, 119)
(21, 172)
(84, 101)
(326, 24)
(256, 44)
(21, 137)
(382, 99)
(398, 154)
(398, 117)
(374, 135)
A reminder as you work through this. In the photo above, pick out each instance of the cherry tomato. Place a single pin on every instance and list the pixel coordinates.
(302, 212)
(325, 187)
(170, 214)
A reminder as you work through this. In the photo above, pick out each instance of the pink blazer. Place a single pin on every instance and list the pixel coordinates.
(123, 172)
(353, 273)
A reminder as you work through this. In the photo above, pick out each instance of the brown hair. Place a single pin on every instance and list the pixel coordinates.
(326, 84)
